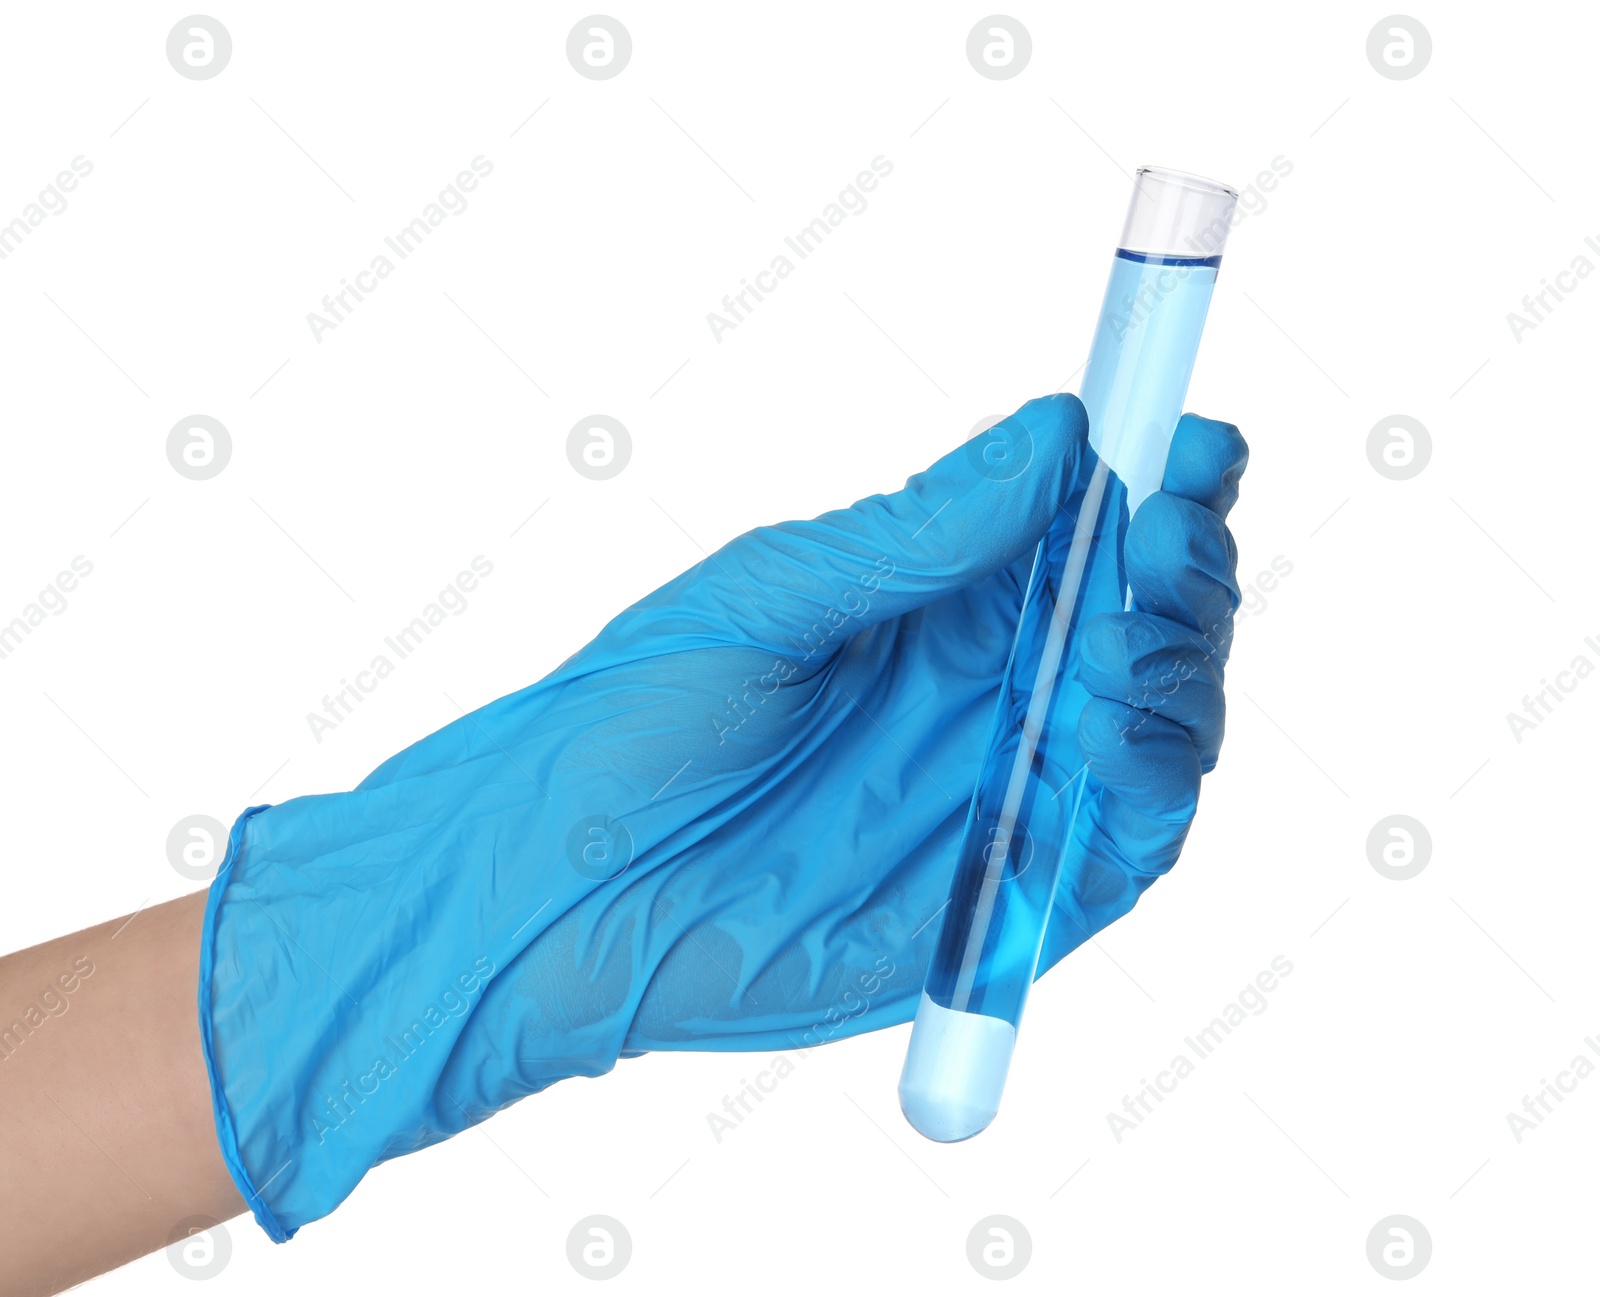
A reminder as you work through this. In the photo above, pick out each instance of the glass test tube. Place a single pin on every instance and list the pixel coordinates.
(1020, 822)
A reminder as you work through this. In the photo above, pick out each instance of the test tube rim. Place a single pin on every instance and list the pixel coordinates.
(1188, 178)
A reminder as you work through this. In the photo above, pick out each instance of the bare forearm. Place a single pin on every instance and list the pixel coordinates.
(106, 1134)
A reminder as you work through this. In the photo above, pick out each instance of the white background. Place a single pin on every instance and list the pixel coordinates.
(1375, 679)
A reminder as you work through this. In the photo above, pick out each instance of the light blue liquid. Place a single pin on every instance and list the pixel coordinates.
(1020, 823)
(1140, 362)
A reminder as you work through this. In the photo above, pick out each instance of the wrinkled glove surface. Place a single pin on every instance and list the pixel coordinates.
(723, 824)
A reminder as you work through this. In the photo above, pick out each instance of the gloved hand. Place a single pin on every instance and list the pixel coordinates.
(724, 824)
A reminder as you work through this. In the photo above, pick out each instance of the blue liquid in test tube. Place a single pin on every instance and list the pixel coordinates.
(1019, 827)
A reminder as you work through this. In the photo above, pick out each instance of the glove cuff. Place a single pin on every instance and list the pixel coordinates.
(227, 1135)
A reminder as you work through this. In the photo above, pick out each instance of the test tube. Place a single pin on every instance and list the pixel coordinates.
(1019, 827)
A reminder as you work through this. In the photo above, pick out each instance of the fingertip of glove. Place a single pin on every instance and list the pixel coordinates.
(1056, 428)
(1102, 643)
(1018, 471)
(1058, 420)
(1206, 461)
(1103, 726)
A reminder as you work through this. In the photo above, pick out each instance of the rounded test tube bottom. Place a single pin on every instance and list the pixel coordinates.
(955, 1071)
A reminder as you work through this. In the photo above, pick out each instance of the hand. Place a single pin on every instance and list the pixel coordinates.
(724, 824)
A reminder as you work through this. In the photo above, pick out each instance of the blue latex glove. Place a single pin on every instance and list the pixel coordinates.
(724, 824)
